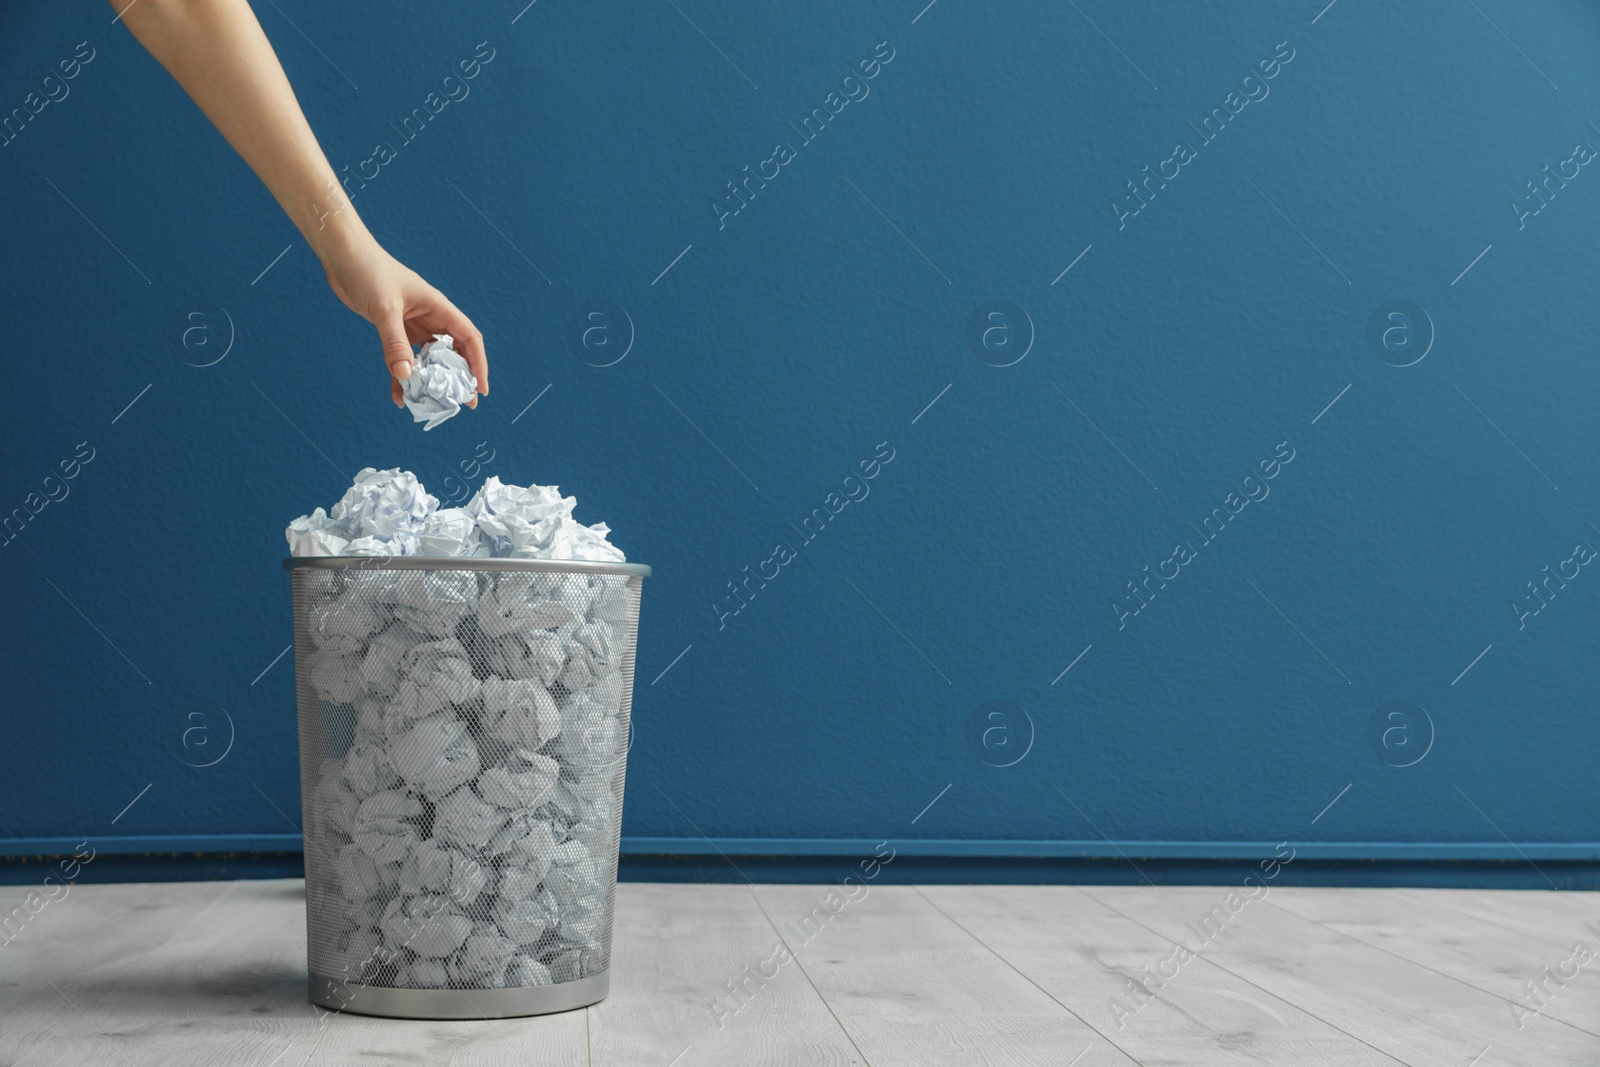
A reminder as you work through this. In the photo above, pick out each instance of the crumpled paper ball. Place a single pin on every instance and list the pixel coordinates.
(435, 604)
(526, 843)
(380, 667)
(314, 535)
(521, 602)
(433, 674)
(367, 770)
(336, 678)
(536, 656)
(525, 785)
(439, 869)
(483, 957)
(514, 519)
(435, 756)
(593, 746)
(536, 522)
(451, 532)
(357, 874)
(428, 925)
(424, 973)
(343, 625)
(526, 919)
(356, 959)
(521, 713)
(382, 827)
(383, 505)
(440, 384)
(526, 971)
(465, 820)
(566, 965)
(591, 653)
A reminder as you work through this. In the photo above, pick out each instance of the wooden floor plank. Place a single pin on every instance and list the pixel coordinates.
(1558, 917)
(547, 1040)
(676, 949)
(1505, 956)
(1412, 1013)
(1091, 959)
(913, 988)
(50, 1009)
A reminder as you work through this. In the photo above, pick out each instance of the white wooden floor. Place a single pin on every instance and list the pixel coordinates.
(212, 973)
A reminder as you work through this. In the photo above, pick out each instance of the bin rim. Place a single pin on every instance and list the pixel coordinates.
(464, 563)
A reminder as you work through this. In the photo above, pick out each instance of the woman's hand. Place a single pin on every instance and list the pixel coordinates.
(217, 52)
(405, 309)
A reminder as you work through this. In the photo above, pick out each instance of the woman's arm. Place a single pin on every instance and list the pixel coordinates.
(218, 53)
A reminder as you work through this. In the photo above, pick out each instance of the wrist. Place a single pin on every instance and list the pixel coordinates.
(333, 229)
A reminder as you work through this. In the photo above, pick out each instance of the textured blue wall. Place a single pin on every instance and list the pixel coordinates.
(892, 262)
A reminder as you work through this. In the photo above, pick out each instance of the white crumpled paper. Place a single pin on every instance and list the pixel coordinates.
(451, 532)
(536, 523)
(528, 783)
(388, 506)
(435, 756)
(312, 535)
(520, 712)
(380, 515)
(389, 513)
(440, 384)
(427, 925)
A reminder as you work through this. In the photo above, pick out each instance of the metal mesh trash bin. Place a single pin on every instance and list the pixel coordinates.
(464, 729)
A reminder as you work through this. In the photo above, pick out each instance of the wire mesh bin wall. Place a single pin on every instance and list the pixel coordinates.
(464, 730)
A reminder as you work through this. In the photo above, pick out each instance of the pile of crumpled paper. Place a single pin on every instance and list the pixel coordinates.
(461, 831)
(389, 513)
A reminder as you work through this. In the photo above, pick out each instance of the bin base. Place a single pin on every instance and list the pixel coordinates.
(457, 1003)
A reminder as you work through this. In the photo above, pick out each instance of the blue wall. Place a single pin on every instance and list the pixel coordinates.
(919, 642)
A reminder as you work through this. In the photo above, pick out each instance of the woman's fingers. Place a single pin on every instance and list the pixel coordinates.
(397, 354)
(397, 346)
(477, 359)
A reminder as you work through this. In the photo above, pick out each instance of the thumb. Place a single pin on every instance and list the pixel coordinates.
(396, 348)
